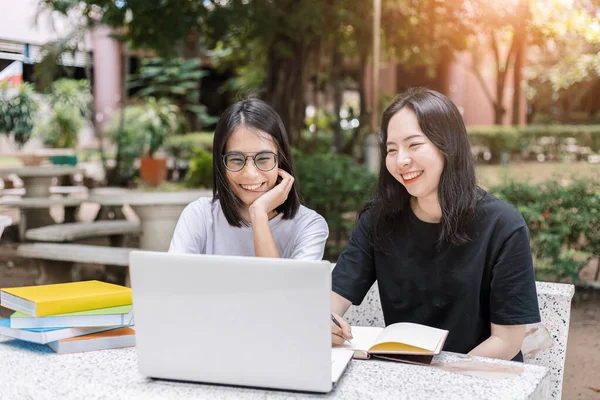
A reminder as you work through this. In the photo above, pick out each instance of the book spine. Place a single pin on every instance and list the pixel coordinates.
(83, 303)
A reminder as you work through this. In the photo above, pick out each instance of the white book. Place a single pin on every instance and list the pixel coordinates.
(112, 339)
(113, 316)
(46, 335)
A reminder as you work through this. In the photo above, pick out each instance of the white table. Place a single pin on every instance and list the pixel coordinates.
(37, 181)
(158, 211)
(34, 371)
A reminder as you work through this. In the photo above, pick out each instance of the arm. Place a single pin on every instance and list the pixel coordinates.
(264, 243)
(513, 298)
(505, 342)
(339, 306)
(352, 278)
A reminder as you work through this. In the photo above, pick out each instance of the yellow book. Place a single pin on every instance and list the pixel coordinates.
(64, 298)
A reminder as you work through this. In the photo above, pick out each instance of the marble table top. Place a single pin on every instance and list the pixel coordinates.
(115, 197)
(33, 371)
(40, 171)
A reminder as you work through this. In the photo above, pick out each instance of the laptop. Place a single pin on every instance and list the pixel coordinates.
(245, 321)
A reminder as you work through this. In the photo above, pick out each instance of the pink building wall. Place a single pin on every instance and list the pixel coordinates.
(107, 76)
(460, 85)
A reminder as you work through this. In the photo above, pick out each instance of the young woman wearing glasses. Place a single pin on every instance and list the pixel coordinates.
(255, 209)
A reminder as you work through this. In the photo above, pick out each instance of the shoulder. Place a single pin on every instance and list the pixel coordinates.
(492, 211)
(200, 208)
(307, 217)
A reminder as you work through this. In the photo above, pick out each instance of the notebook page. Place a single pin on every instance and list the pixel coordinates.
(363, 338)
(416, 335)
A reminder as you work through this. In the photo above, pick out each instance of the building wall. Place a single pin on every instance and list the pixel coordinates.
(456, 80)
(18, 23)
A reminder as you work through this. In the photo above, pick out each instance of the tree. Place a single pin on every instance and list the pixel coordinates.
(507, 27)
(564, 76)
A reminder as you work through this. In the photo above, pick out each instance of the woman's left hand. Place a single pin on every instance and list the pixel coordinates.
(275, 197)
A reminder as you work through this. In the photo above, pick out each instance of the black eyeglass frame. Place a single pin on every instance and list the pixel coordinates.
(246, 160)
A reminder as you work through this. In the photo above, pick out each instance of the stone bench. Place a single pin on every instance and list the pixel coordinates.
(79, 253)
(62, 190)
(26, 203)
(57, 260)
(545, 344)
(80, 230)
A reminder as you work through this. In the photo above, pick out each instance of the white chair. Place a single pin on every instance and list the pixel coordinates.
(555, 308)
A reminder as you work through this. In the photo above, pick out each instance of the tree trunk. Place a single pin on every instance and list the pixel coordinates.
(365, 116)
(287, 77)
(113, 176)
(516, 103)
(520, 46)
(336, 75)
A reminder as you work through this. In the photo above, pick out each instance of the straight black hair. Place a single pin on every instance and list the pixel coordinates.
(258, 116)
(441, 122)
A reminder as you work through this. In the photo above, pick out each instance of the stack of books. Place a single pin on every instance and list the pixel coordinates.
(70, 317)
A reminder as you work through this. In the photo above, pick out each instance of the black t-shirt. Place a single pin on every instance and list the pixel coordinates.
(458, 288)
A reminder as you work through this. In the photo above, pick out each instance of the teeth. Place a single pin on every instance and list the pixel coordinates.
(412, 175)
(251, 187)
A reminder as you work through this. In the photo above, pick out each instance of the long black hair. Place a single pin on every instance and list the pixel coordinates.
(261, 118)
(442, 123)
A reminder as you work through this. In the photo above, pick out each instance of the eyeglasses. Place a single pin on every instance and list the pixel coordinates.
(264, 161)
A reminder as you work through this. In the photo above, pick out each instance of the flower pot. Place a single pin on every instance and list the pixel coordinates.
(153, 171)
(30, 159)
(64, 160)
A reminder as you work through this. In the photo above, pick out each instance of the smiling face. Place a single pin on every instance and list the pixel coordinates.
(250, 183)
(412, 159)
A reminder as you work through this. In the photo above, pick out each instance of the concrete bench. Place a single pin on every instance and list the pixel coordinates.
(40, 202)
(80, 253)
(62, 190)
(57, 260)
(545, 343)
(80, 230)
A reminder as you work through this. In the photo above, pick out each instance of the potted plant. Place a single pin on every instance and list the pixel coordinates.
(70, 102)
(141, 134)
(61, 132)
(161, 120)
(18, 109)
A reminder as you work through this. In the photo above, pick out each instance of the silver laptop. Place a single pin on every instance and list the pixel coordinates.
(248, 321)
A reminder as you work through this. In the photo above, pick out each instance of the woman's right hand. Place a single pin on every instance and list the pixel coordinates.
(337, 332)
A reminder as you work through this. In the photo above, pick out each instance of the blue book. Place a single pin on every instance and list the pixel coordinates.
(47, 335)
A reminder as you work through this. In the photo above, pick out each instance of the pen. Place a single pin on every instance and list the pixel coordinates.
(335, 321)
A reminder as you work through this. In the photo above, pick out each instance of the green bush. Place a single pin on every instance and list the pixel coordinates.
(62, 128)
(73, 93)
(184, 146)
(498, 139)
(586, 135)
(336, 187)
(532, 139)
(18, 112)
(563, 221)
(201, 170)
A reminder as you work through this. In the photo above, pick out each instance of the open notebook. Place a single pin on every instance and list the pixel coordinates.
(403, 341)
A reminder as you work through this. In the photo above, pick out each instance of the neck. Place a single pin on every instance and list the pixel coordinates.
(427, 209)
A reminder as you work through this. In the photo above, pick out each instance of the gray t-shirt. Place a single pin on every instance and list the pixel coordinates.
(203, 229)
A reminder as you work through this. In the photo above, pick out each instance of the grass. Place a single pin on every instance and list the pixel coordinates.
(492, 175)
(6, 161)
